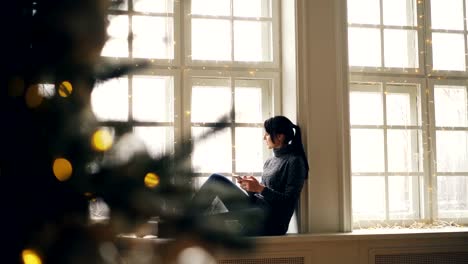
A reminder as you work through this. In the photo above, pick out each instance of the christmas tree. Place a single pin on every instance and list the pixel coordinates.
(56, 159)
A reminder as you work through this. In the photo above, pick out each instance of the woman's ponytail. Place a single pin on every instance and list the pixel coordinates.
(298, 146)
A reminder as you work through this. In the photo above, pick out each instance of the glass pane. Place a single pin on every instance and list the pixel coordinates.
(211, 7)
(199, 181)
(210, 103)
(452, 151)
(366, 108)
(364, 11)
(448, 51)
(109, 100)
(402, 105)
(153, 99)
(404, 150)
(158, 140)
(452, 196)
(155, 6)
(122, 6)
(252, 8)
(364, 47)
(368, 198)
(367, 150)
(248, 102)
(211, 39)
(447, 14)
(450, 103)
(252, 41)
(153, 37)
(214, 154)
(403, 195)
(399, 12)
(401, 48)
(117, 44)
(249, 150)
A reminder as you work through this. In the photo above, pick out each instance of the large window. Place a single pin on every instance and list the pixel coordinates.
(408, 111)
(206, 58)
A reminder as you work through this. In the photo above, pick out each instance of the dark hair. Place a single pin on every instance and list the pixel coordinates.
(282, 125)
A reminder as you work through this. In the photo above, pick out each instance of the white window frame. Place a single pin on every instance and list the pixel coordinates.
(424, 204)
(428, 32)
(275, 20)
(382, 27)
(433, 129)
(182, 68)
(270, 107)
(427, 77)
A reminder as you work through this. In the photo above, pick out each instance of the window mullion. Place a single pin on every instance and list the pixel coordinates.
(382, 40)
(384, 111)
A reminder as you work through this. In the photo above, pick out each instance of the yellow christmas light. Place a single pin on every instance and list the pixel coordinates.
(62, 169)
(30, 257)
(33, 97)
(151, 180)
(102, 140)
(65, 89)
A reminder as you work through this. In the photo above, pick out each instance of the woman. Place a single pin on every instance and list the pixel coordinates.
(276, 196)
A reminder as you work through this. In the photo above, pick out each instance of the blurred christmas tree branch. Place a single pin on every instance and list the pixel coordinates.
(56, 158)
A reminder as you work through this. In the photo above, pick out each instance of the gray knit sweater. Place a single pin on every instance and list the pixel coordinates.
(283, 177)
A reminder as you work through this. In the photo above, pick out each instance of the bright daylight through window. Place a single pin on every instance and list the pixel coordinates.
(408, 112)
(206, 57)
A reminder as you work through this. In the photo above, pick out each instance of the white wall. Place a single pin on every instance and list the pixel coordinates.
(323, 112)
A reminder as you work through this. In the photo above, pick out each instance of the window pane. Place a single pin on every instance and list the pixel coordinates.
(399, 12)
(214, 154)
(153, 37)
(401, 48)
(366, 107)
(211, 7)
(199, 181)
(368, 198)
(109, 100)
(364, 47)
(252, 41)
(249, 150)
(209, 102)
(158, 140)
(211, 39)
(248, 102)
(452, 196)
(252, 8)
(452, 151)
(448, 51)
(364, 11)
(450, 103)
(155, 6)
(403, 197)
(402, 105)
(122, 6)
(367, 150)
(404, 150)
(153, 99)
(447, 14)
(117, 44)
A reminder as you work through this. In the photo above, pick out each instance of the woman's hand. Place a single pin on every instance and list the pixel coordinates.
(250, 184)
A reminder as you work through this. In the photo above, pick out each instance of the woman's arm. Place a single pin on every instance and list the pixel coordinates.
(295, 174)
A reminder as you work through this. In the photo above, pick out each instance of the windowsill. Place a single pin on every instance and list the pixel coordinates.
(374, 234)
(370, 234)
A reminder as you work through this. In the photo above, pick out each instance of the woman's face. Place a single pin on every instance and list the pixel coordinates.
(269, 142)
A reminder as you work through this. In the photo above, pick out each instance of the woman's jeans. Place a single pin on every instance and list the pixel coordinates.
(238, 205)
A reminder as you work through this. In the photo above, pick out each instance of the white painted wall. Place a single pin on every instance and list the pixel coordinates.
(323, 112)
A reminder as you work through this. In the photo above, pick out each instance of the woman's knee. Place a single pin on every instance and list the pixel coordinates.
(217, 177)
